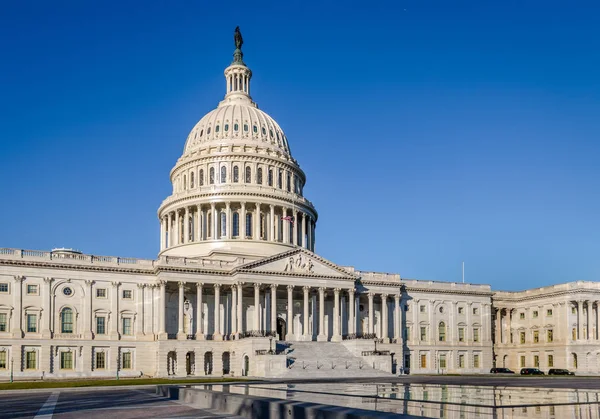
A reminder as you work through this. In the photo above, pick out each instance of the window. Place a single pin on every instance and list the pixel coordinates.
(245, 127)
(127, 294)
(66, 320)
(201, 177)
(574, 360)
(549, 312)
(461, 334)
(3, 323)
(184, 182)
(66, 360)
(32, 289)
(223, 174)
(289, 182)
(536, 361)
(407, 333)
(573, 310)
(208, 131)
(127, 360)
(270, 177)
(536, 336)
(100, 360)
(475, 334)
(550, 360)
(236, 127)
(280, 180)
(422, 309)
(549, 336)
(31, 360)
(192, 180)
(248, 175)
(32, 323)
(259, 178)
(535, 314)
(522, 358)
(574, 334)
(211, 176)
(201, 132)
(248, 224)
(461, 310)
(223, 221)
(423, 361)
(4, 287)
(236, 174)
(68, 291)
(3, 360)
(442, 360)
(236, 224)
(255, 129)
(226, 127)
(127, 326)
(101, 293)
(100, 325)
(442, 331)
(461, 361)
(475, 310)
(522, 337)
(521, 316)
(423, 333)
(476, 361)
(217, 128)
(264, 131)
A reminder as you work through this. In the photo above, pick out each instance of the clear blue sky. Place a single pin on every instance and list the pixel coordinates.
(431, 132)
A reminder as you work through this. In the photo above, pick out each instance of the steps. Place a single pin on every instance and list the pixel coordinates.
(326, 359)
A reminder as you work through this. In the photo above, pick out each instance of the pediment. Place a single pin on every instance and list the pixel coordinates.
(297, 262)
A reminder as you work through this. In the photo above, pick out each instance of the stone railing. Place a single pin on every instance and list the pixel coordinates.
(257, 334)
(377, 353)
(67, 336)
(370, 336)
(379, 277)
(270, 352)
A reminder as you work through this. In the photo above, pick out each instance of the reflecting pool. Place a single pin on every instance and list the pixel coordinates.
(435, 401)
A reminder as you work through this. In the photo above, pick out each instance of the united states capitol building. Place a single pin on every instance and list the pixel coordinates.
(237, 288)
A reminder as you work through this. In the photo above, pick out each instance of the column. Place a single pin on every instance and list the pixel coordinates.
(290, 313)
(198, 223)
(397, 325)
(256, 307)
(228, 221)
(257, 223)
(170, 230)
(337, 336)
(114, 311)
(186, 225)
(498, 338)
(240, 318)
(286, 227)
(217, 329)
(588, 320)
(295, 232)
(371, 314)
(200, 313)
(315, 310)
(177, 228)
(214, 221)
(47, 308)
(384, 318)
(234, 305)
(273, 308)
(305, 290)
(322, 336)
(180, 333)
(162, 233)
(597, 334)
(243, 221)
(579, 320)
(309, 232)
(272, 226)
(351, 306)
(162, 315)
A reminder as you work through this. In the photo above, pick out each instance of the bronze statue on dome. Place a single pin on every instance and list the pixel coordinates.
(237, 38)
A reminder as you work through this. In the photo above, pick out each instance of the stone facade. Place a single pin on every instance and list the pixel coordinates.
(237, 270)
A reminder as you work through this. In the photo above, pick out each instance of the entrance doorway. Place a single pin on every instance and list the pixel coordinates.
(281, 328)
(226, 363)
(208, 363)
(190, 363)
(246, 369)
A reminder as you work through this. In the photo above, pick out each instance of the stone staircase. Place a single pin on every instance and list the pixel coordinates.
(326, 359)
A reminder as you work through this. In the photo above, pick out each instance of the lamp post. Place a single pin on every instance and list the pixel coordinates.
(375, 342)
(270, 347)
(12, 361)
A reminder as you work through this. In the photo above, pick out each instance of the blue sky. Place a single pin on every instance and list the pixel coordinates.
(431, 132)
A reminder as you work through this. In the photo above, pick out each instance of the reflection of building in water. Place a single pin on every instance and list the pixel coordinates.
(437, 401)
(549, 327)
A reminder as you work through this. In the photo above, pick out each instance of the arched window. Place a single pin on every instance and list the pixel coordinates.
(236, 174)
(289, 182)
(236, 224)
(442, 332)
(270, 180)
(223, 226)
(209, 224)
(236, 127)
(217, 128)
(259, 176)
(184, 183)
(211, 176)
(192, 180)
(248, 174)
(201, 132)
(264, 131)
(201, 177)
(255, 129)
(280, 179)
(574, 360)
(226, 127)
(223, 174)
(248, 224)
(208, 130)
(271, 133)
(245, 127)
(66, 320)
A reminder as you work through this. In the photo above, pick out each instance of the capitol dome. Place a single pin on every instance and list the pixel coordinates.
(237, 190)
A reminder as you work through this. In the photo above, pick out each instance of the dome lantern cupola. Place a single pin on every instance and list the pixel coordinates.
(237, 76)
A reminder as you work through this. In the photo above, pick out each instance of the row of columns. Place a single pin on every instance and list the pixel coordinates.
(197, 216)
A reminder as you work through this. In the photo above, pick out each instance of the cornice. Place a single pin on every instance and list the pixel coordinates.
(449, 291)
(560, 293)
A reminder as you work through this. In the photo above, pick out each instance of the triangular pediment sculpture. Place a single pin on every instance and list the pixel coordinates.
(297, 262)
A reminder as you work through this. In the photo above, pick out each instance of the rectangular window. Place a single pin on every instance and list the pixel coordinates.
(100, 325)
(31, 360)
(423, 361)
(127, 294)
(475, 310)
(536, 361)
(521, 316)
(422, 309)
(476, 361)
(407, 333)
(32, 289)
(475, 335)
(535, 314)
(549, 312)
(522, 337)
(461, 310)
(461, 334)
(423, 333)
(573, 310)
(442, 360)
(127, 326)
(536, 336)
(127, 360)
(3, 360)
(550, 336)
(550, 360)
(461, 361)
(3, 323)
(101, 293)
(32, 323)
(4, 287)
(522, 361)
(66, 360)
(574, 334)
(100, 360)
